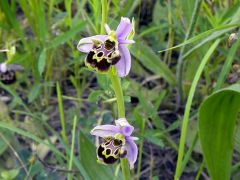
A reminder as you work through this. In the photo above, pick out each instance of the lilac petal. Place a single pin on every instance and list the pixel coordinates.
(3, 67)
(124, 28)
(126, 128)
(132, 151)
(105, 130)
(86, 44)
(123, 41)
(124, 64)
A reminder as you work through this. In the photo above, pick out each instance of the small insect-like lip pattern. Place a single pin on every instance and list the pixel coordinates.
(103, 55)
(9, 77)
(111, 151)
(8, 73)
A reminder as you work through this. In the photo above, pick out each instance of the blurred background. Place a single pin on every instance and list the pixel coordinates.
(47, 114)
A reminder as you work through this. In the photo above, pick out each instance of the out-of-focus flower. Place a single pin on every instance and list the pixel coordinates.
(107, 50)
(118, 142)
(8, 72)
(232, 39)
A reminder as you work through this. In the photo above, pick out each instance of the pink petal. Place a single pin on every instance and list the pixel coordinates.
(86, 44)
(124, 28)
(105, 130)
(124, 64)
(3, 67)
(126, 128)
(132, 151)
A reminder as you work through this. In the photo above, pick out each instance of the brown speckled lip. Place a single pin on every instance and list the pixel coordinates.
(9, 77)
(101, 56)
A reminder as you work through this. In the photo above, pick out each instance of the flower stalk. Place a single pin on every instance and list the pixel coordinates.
(109, 54)
(116, 84)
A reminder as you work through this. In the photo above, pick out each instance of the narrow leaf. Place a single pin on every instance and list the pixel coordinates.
(42, 61)
(152, 62)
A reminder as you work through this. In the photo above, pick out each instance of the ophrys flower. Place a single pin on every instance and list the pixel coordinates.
(8, 72)
(103, 51)
(118, 142)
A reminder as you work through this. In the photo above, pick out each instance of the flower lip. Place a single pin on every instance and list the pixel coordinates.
(103, 55)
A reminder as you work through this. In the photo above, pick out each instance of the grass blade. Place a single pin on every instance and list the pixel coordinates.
(188, 108)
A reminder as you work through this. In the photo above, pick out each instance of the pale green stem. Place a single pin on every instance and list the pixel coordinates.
(61, 112)
(200, 170)
(116, 84)
(205, 59)
(104, 15)
(70, 177)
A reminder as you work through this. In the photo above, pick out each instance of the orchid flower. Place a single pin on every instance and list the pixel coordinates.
(8, 72)
(118, 142)
(103, 51)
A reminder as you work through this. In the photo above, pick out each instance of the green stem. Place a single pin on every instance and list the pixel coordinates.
(70, 176)
(205, 59)
(200, 170)
(61, 112)
(104, 15)
(116, 84)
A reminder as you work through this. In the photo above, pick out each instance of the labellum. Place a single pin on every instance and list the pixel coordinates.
(8, 77)
(103, 55)
(8, 73)
(111, 150)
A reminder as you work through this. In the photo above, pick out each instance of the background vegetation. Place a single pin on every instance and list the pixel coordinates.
(46, 116)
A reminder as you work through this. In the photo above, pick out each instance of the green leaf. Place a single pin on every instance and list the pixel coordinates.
(5, 137)
(152, 62)
(9, 175)
(12, 19)
(34, 92)
(66, 36)
(42, 61)
(154, 137)
(227, 65)
(217, 122)
(94, 96)
(205, 34)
